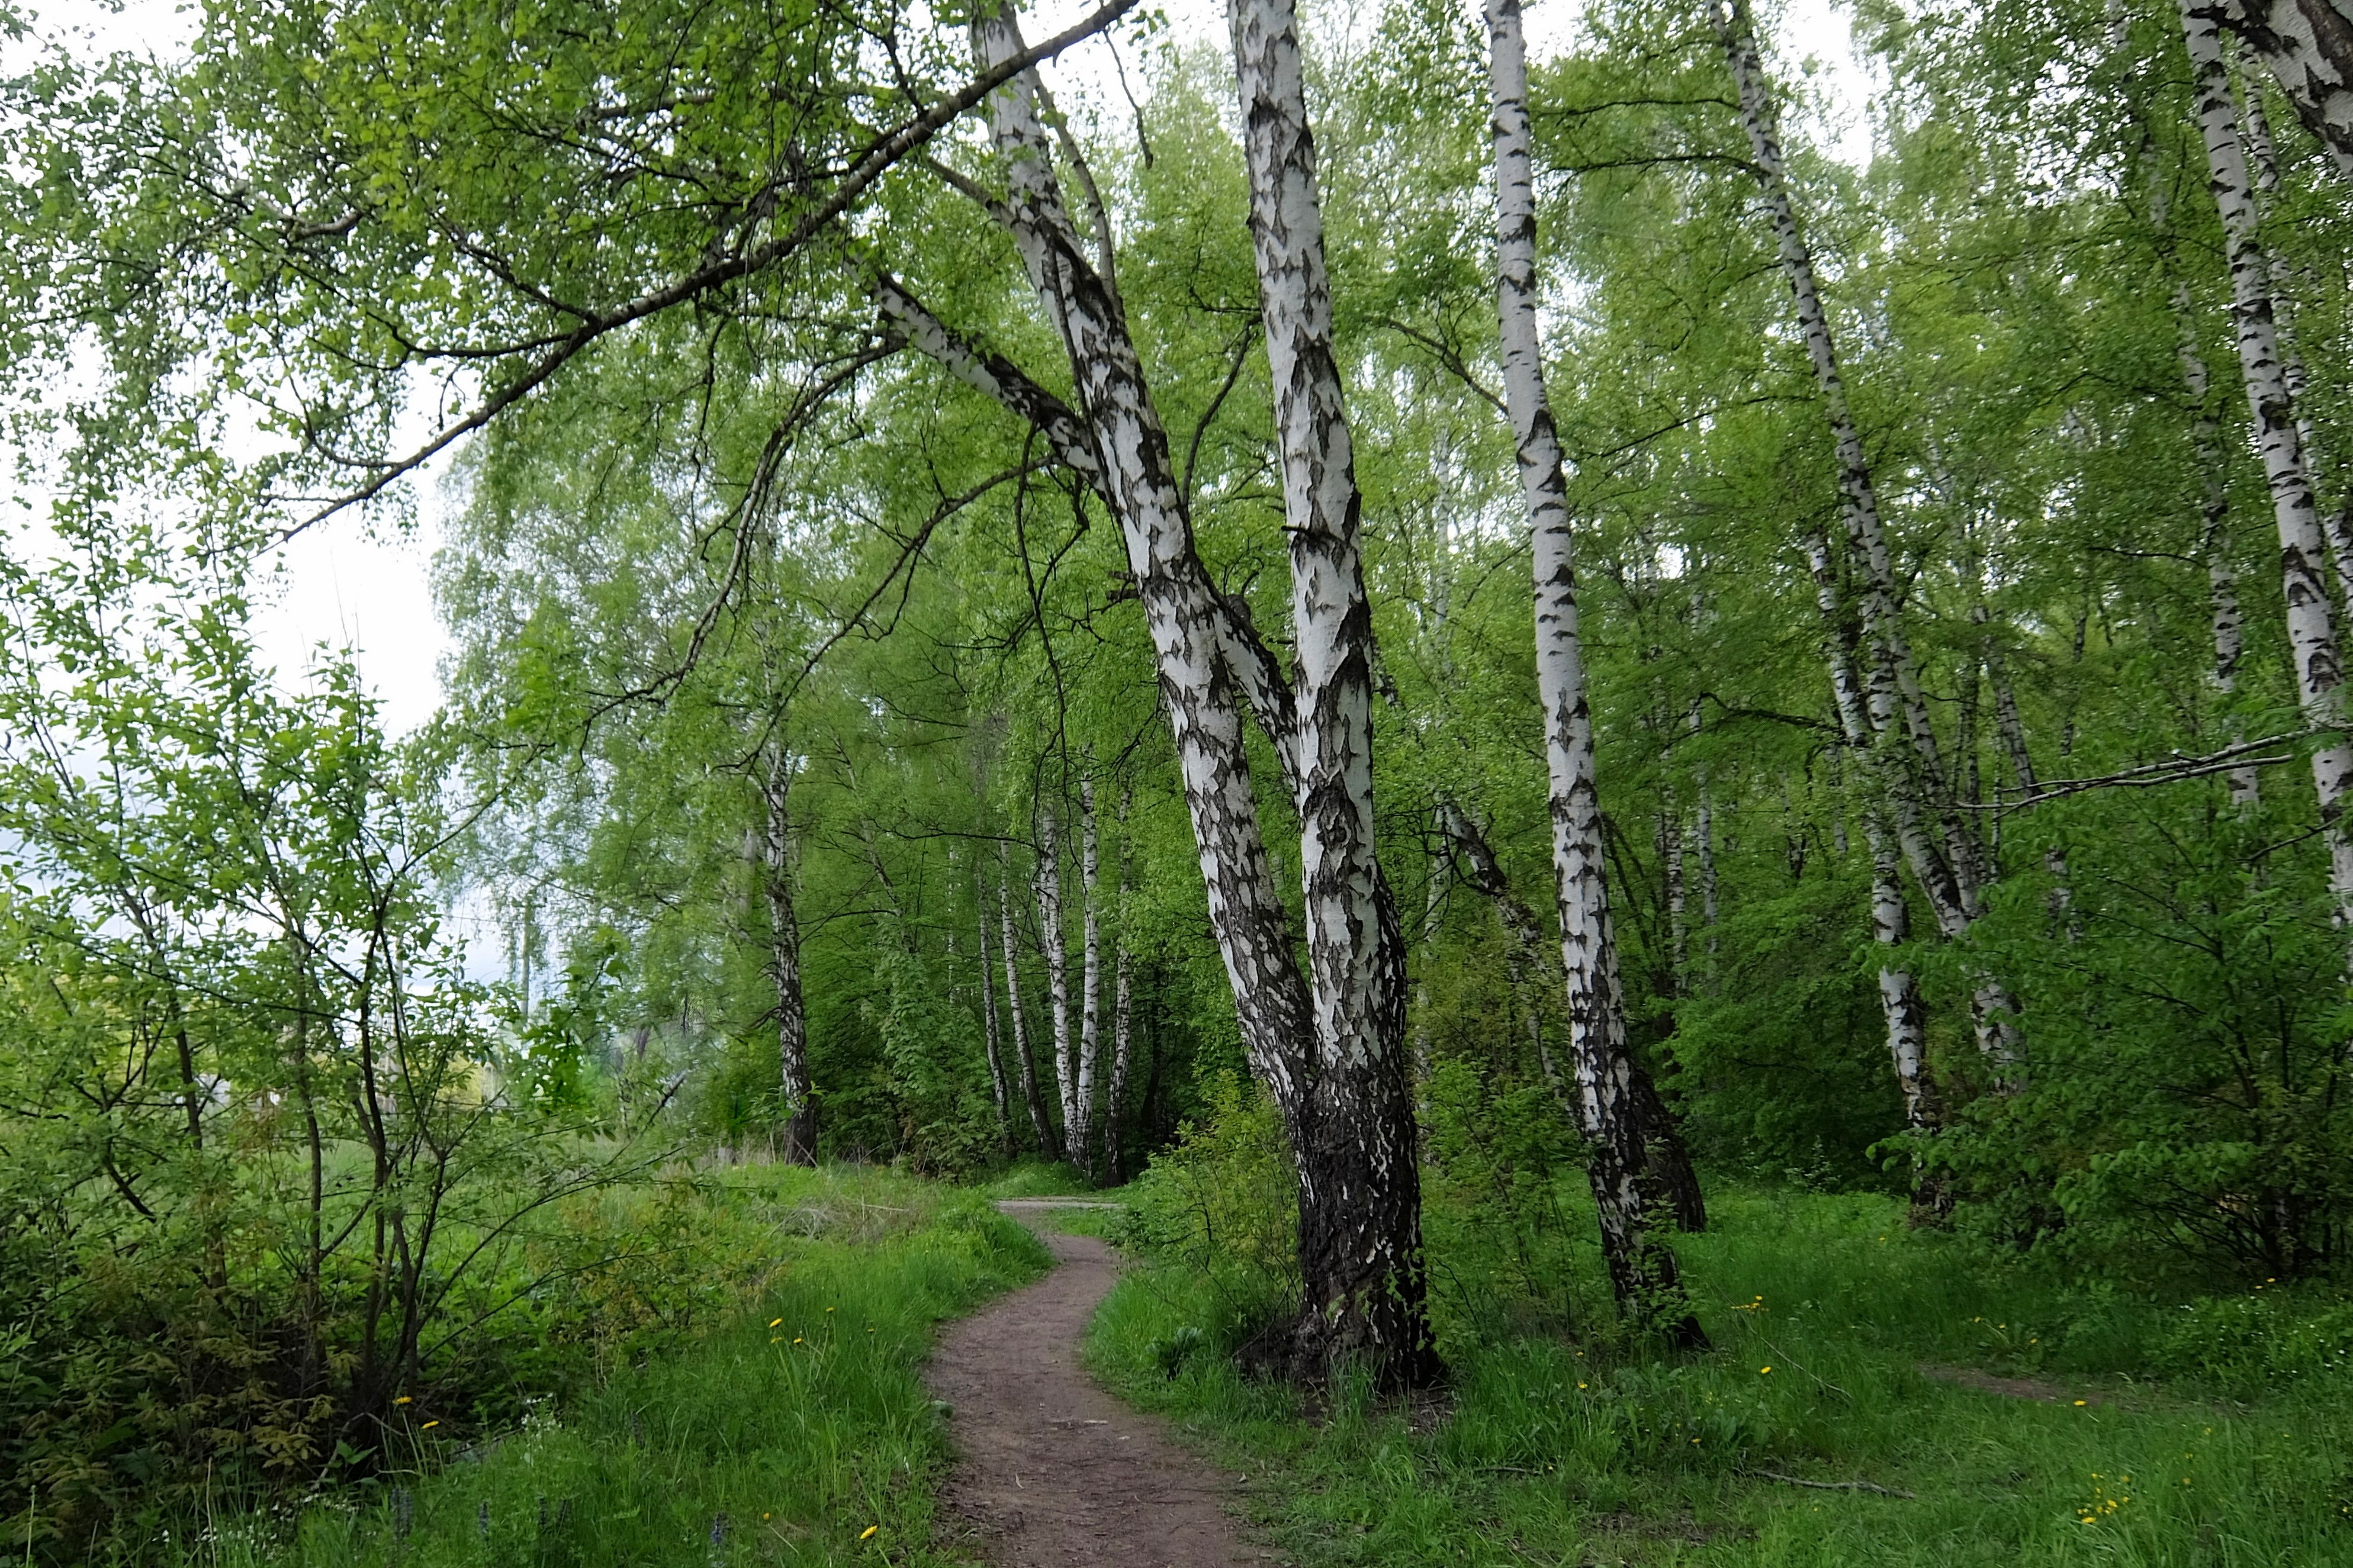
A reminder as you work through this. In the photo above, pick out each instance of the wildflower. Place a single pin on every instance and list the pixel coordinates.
(428, 1425)
(2082, 1402)
(796, 1338)
(1763, 1370)
(774, 1322)
(869, 1532)
(1580, 1385)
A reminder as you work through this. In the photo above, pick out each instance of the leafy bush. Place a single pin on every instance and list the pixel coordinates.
(1223, 1204)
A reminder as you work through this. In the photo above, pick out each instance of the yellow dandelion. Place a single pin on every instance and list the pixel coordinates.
(428, 1425)
(796, 1338)
(774, 1322)
(406, 1399)
(1763, 1370)
(2083, 1401)
(869, 1532)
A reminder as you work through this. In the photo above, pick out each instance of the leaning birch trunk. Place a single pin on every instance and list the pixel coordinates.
(2308, 46)
(1048, 889)
(2312, 630)
(1897, 703)
(1360, 1210)
(996, 1084)
(1209, 664)
(1041, 1123)
(1082, 1138)
(1901, 1009)
(785, 966)
(1115, 1092)
(1642, 1271)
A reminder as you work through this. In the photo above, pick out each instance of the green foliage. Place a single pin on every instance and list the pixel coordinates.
(2182, 1101)
(1224, 1203)
(776, 1414)
(1500, 1242)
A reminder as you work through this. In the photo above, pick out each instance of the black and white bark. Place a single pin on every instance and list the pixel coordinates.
(1121, 1009)
(1902, 741)
(1360, 1221)
(1047, 886)
(1080, 1131)
(1041, 1126)
(992, 1038)
(2308, 47)
(2312, 630)
(795, 1098)
(1643, 1273)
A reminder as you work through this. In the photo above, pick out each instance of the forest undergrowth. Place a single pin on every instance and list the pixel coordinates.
(2135, 1434)
(790, 1427)
(1877, 1395)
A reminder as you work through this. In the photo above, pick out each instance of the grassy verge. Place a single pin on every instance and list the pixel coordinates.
(1554, 1449)
(795, 1430)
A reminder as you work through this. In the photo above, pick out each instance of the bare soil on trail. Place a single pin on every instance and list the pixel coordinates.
(1052, 1472)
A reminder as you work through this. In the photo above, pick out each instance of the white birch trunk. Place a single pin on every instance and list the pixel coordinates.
(1360, 1226)
(1083, 1151)
(2312, 630)
(996, 1084)
(1115, 1092)
(1643, 1273)
(1896, 706)
(799, 1102)
(1049, 893)
(1040, 1125)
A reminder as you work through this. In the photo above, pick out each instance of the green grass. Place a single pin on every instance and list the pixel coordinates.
(1555, 1449)
(810, 1441)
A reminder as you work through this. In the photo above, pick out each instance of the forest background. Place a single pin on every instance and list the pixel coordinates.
(879, 729)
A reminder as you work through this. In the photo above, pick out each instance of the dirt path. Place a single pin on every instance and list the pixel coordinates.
(1051, 1471)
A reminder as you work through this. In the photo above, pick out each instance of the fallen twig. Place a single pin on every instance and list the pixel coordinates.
(1835, 1486)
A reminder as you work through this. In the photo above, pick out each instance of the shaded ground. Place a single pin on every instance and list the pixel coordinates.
(1051, 1471)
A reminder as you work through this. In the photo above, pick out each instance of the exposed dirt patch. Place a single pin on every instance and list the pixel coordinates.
(2010, 1387)
(1052, 1472)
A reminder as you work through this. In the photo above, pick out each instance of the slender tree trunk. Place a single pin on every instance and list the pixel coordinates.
(1896, 706)
(2312, 630)
(1671, 860)
(996, 1084)
(1041, 1123)
(785, 965)
(1642, 1270)
(1360, 1209)
(1049, 888)
(1121, 1010)
(1084, 1152)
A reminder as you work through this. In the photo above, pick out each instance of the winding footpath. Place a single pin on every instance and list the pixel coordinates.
(1052, 1472)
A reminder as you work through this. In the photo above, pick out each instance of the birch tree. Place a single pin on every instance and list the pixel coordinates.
(1642, 1271)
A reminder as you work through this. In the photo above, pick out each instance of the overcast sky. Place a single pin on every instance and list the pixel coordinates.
(343, 586)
